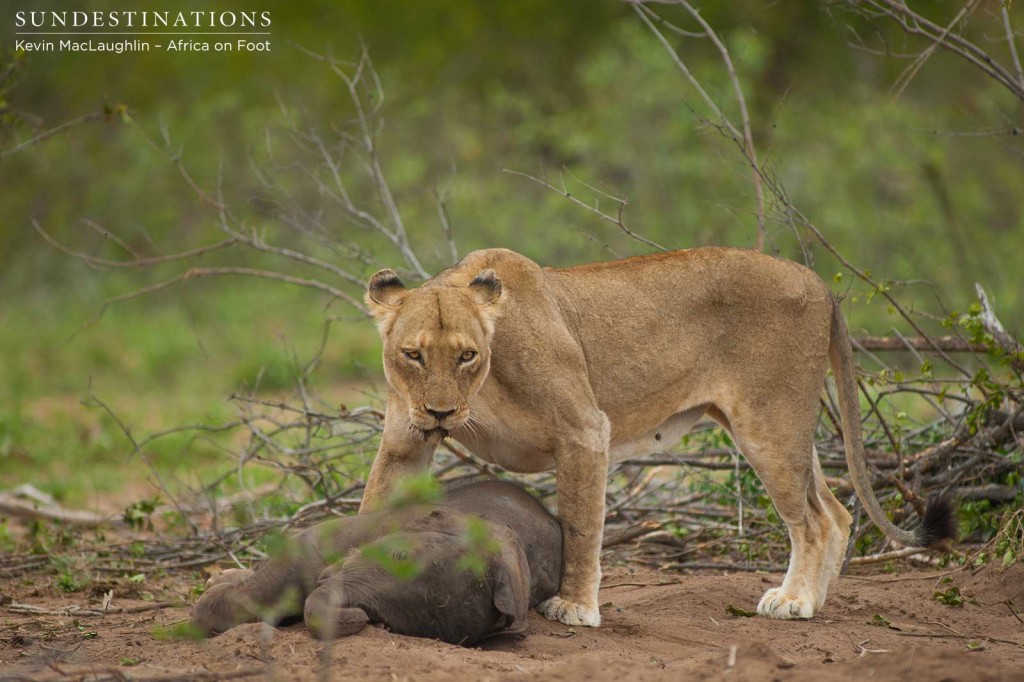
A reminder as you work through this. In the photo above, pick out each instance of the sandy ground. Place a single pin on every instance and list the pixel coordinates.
(657, 626)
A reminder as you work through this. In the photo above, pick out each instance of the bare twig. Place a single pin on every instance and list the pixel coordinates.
(908, 73)
(748, 137)
(914, 23)
(197, 273)
(442, 215)
(745, 139)
(56, 130)
(595, 209)
(1011, 41)
(135, 263)
(354, 82)
(107, 234)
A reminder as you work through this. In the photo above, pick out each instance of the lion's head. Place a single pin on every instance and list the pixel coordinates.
(436, 344)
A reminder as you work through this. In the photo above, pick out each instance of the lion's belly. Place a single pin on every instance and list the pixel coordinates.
(513, 450)
(659, 438)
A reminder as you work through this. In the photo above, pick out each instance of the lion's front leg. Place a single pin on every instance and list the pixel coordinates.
(403, 451)
(582, 476)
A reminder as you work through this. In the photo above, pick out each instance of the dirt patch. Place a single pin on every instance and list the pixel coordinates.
(657, 626)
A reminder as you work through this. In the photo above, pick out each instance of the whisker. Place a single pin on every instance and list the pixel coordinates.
(470, 426)
(473, 423)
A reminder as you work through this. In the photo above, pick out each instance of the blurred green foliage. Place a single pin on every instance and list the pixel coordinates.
(472, 88)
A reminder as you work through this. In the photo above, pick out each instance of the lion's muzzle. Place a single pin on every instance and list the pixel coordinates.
(428, 419)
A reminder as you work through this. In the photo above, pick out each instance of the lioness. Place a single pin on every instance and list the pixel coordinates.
(574, 369)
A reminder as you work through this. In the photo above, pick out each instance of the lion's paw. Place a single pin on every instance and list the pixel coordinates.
(569, 612)
(775, 604)
(231, 576)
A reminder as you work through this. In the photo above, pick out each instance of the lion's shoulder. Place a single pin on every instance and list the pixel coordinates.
(511, 267)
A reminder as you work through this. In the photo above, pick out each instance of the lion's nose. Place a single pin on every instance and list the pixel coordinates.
(439, 414)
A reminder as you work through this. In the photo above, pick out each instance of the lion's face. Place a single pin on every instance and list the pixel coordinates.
(436, 344)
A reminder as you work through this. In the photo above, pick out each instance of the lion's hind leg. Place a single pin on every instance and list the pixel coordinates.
(818, 542)
(838, 537)
(818, 524)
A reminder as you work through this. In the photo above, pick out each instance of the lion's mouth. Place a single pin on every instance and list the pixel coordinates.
(429, 427)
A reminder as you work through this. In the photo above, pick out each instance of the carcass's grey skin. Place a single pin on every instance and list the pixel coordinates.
(330, 574)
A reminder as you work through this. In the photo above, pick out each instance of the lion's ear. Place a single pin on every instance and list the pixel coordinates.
(384, 294)
(486, 287)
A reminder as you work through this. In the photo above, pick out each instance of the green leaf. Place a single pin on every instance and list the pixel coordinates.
(183, 630)
(415, 489)
(950, 597)
(742, 613)
(480, 547)
(880, 621)
(395, 555)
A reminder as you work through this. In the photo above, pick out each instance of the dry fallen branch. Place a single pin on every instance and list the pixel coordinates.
(12, 506)
(74, 610)
(884, 557)
(946, 344)
(109, 674)
(994, 327)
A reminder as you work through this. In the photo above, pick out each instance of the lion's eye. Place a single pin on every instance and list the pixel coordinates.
(413, 355)
(467, 356)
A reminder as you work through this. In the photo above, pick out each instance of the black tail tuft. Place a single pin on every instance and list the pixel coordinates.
(938, 524)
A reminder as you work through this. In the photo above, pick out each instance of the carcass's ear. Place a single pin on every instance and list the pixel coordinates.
(511, 574)
(486, 287)
(384, 294)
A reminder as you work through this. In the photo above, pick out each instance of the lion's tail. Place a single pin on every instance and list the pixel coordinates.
(939, 522)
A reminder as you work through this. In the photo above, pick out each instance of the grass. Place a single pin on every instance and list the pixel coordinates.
(157, 362)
